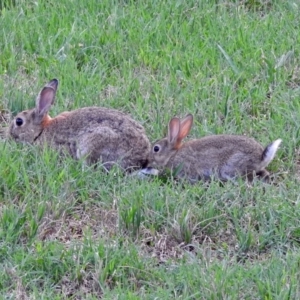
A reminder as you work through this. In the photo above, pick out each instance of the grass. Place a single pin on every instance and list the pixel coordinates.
(72, 232)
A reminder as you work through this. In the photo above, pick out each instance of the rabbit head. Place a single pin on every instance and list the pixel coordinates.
(162, 150)
(28, 125)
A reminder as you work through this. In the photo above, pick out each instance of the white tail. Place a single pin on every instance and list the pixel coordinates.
(270, 152)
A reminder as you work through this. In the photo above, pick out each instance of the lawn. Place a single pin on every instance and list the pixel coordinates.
(68, 231)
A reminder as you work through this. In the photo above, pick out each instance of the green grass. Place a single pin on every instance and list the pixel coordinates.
(69, 231)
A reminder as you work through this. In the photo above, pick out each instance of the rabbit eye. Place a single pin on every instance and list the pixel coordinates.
(19, 122)
(156, 148)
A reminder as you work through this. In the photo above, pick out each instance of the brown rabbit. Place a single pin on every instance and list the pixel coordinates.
(222, 156)
(99, 134)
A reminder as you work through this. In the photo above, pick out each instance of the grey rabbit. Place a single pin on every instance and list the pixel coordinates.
(99, 134)
(223, 156)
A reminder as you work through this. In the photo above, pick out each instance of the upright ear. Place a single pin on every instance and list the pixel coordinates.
(46, 97)
(173, 131)
(185, 127)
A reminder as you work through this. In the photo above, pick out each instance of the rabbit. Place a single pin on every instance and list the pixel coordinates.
(96, 133)
(224, 157)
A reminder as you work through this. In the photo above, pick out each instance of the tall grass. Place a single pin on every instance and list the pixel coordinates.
(69, 231)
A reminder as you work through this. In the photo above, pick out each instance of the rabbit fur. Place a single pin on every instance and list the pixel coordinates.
(99, 134)
(223, 156)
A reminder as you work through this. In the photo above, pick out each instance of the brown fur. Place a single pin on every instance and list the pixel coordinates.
(222, 156)
(99, 134)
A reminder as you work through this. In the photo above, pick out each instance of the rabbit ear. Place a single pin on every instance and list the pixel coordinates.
(185, 127)
(53, 83)
(46, 97)
(173, 131)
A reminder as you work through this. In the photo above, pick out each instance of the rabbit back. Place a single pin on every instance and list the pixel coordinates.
(223, 156)
(99, 134)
